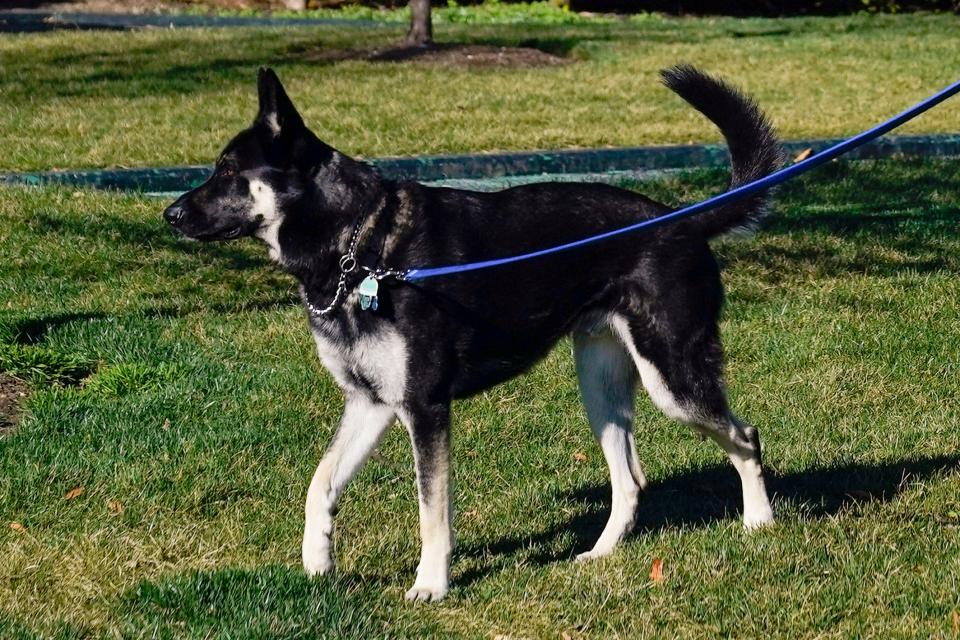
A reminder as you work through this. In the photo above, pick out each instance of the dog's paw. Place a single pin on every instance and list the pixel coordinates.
(593, 554)
(423, 593)
(757, 514)
(758, 521)
(317, 563)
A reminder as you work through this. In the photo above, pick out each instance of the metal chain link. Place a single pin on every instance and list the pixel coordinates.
(348, 264)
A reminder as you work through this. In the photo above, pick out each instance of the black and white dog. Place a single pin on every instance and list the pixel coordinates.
(639, 306)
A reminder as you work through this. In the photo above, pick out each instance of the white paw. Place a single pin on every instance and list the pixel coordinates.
(758, 519)
(593, 554)
(423, 593)
(317, 562)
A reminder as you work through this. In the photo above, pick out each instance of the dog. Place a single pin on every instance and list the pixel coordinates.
(641, 306)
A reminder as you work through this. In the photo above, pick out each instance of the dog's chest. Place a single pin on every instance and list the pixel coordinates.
(373, 361)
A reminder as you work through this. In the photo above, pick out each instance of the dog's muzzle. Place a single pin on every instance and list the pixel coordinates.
(174, 213)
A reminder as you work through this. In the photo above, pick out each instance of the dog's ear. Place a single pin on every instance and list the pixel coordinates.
(277, 112)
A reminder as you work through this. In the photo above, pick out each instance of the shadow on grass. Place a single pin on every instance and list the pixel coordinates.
(280, 601)
(883, 218)
(33, 330)
(712, 494)
(270, 602)
(148, 235)
(888, 244)
(140, 70)
(147, 69)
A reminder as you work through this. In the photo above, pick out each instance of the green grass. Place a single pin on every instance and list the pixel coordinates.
(487, 12)
(156, 97)
(201, 409)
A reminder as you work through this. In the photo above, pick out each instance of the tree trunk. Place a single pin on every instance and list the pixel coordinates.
(421, 26)
(295, 5)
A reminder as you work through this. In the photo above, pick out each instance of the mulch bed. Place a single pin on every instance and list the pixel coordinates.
(449, 55)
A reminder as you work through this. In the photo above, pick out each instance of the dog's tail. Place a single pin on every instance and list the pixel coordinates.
(751, 139)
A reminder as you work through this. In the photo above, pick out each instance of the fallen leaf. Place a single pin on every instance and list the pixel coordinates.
(564, 635)
(803, 155)
(579, 456)
(115, 506)
(955, 618)
(19, 528)
(656, 570)
(73, 493)
(166, 424)
(473, 513)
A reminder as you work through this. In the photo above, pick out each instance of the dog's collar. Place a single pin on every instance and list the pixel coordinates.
(348, 264)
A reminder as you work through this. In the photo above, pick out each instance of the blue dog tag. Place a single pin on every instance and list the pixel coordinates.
(368, 293)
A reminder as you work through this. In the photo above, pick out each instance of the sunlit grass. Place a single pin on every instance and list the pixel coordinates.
(160, 97)
(202, 410)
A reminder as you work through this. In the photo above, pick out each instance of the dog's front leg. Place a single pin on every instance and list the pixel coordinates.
(361, 428)
(430, 435)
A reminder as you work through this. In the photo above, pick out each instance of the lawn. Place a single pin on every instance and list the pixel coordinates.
(95, 99)
(191, 410)
(154, 486)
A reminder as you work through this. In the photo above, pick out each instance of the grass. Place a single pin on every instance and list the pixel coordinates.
(177, 385)
(159, 97)
(487, 12)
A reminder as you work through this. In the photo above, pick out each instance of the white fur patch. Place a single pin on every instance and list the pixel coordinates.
(652, 380)
(273, 123)
(265, 206)
(380, 357)
(361, 428)
(607, 380)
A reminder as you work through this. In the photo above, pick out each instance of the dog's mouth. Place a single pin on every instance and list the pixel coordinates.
(211, 236)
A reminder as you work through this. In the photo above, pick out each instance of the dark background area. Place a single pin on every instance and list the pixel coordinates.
(764, 7)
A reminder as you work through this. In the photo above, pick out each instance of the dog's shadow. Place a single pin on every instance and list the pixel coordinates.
(699, 498)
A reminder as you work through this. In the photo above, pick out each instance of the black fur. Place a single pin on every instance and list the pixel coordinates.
(464, 333)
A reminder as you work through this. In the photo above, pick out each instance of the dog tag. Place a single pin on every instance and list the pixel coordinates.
(368, 293)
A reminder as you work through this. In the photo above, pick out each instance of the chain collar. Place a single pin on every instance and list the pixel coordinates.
(348, 264)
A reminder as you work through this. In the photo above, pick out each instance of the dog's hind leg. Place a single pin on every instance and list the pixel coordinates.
(684, 380)
(361, 427)
(608, 380)
(429, 429)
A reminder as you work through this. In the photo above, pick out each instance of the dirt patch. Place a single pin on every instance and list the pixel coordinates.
(12, 394)
(449, 55)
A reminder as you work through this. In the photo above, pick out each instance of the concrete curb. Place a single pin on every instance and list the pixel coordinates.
(486, 167)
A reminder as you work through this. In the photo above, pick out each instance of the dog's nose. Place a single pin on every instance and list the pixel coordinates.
(173, 214)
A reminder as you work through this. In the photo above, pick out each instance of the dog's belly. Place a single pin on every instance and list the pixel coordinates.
(486, 365)
(473, 379)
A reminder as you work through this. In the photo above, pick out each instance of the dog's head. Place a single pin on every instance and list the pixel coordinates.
(260, 175)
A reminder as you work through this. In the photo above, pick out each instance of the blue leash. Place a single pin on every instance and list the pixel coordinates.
(775, 178)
